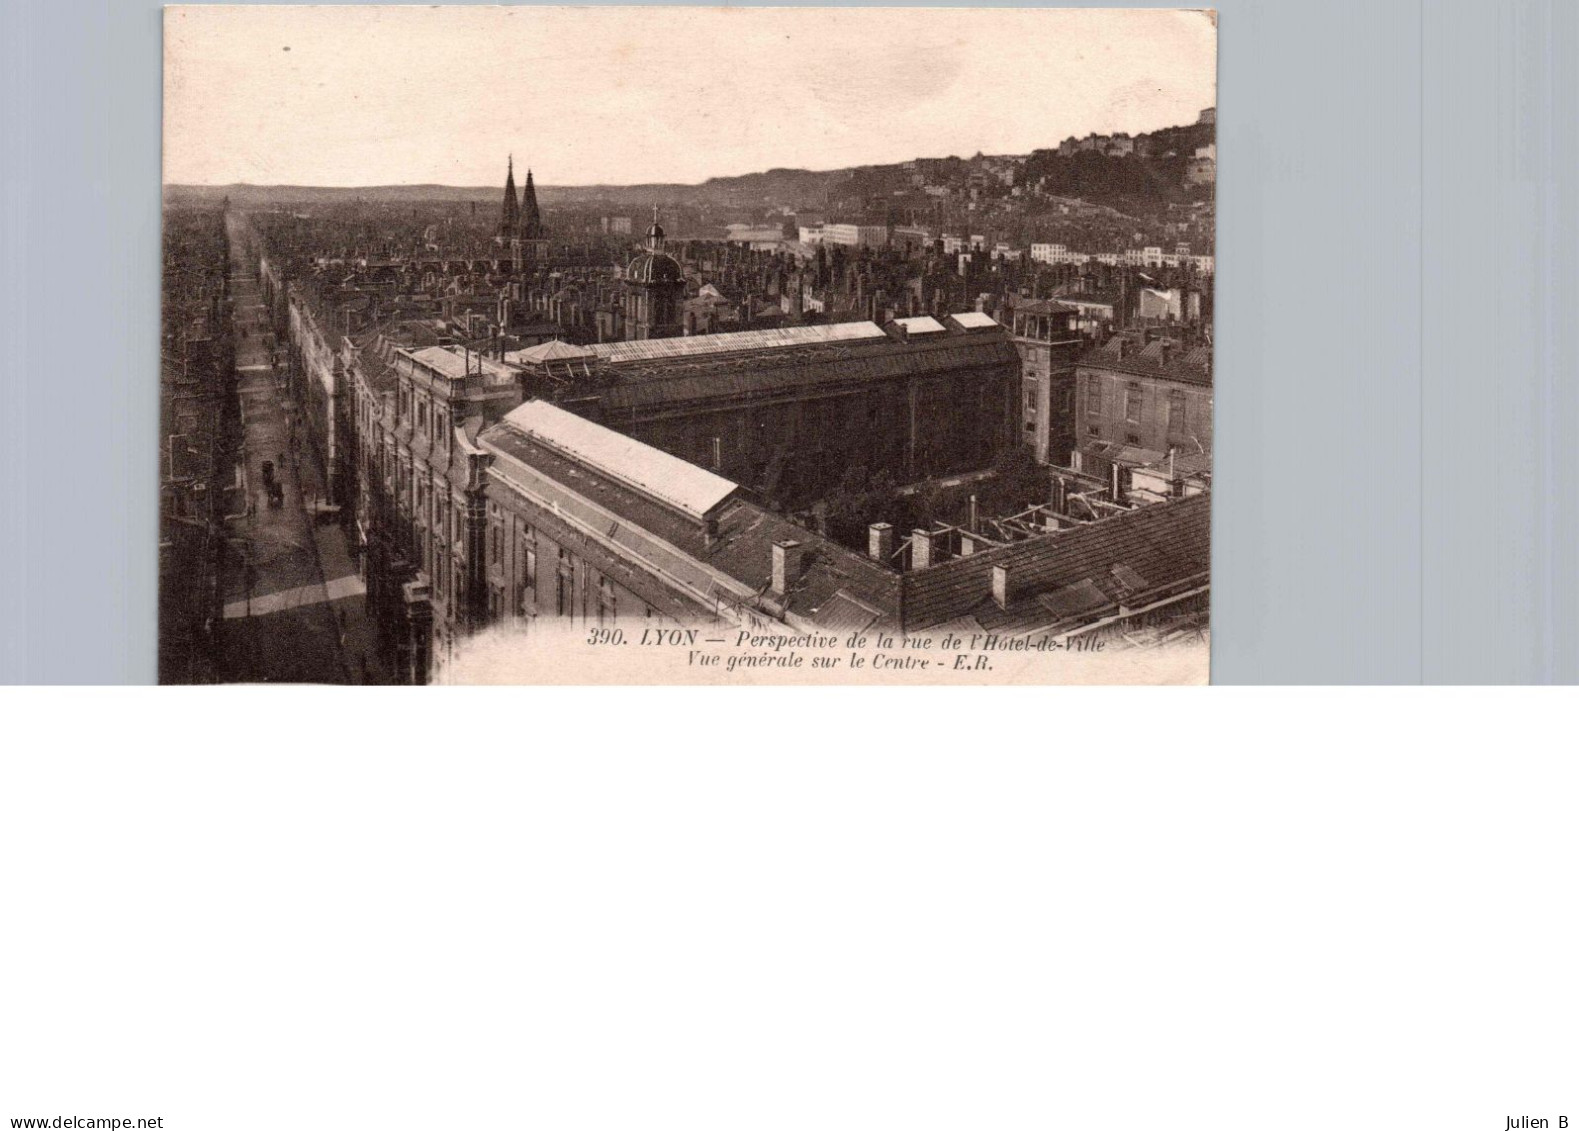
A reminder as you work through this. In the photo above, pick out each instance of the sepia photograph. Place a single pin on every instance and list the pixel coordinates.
(639, 387)
(686, 345)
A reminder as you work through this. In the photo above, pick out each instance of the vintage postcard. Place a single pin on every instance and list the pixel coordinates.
(687, 345)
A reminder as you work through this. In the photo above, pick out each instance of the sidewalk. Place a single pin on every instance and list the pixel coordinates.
(297, 615)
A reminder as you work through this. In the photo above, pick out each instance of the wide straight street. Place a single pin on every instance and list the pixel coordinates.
(293, 601)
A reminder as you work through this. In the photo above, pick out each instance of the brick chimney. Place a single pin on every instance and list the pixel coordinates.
(880, 541)
(786, 565)
(1001, 593)
(920, 549)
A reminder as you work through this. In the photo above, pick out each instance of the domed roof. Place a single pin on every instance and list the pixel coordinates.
(655, 267)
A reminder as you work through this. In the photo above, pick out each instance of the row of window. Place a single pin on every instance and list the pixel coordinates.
(1135, 403)
(434, 425)
(524, 584)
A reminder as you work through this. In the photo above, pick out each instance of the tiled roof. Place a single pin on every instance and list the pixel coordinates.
(1191, 367)
(1164, 544)
(843, 613)
(1075, 600)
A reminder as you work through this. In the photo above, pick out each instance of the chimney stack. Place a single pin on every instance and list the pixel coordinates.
(786, 565)
(1001, 594)
(920, 549)
(880, 541)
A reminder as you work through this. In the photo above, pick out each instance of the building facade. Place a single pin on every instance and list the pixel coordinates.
(787, 412)
(587, 525)
(1155, 398)
(421, 511)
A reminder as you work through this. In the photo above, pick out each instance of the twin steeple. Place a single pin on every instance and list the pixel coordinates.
(521, 218)
(531, 218)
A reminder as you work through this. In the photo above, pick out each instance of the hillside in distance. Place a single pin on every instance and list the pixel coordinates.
(800, 187)
(869, 192)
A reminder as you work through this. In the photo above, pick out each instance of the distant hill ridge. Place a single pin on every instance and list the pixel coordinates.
(805, 187)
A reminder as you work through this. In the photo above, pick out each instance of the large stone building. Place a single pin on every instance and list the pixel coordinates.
(474, 508)
(788, 412)
(395, 416)
(587, 524)
(1144, 405)
(470, 452)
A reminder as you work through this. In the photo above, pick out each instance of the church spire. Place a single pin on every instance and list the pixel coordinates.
(511, 218)
(531, 218)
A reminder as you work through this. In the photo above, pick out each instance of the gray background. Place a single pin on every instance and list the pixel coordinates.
(1398, 479)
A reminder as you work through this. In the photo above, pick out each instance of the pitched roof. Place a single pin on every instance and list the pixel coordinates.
(447, 362)
(1163, 544)
(740, 550)
(548, 351)
(1043, 306)
(1191, 366)
(745, 340)
(844, 613)
(921, 325)
(692, 490)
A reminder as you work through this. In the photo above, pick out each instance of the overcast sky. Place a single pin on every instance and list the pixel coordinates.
(409, 95)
